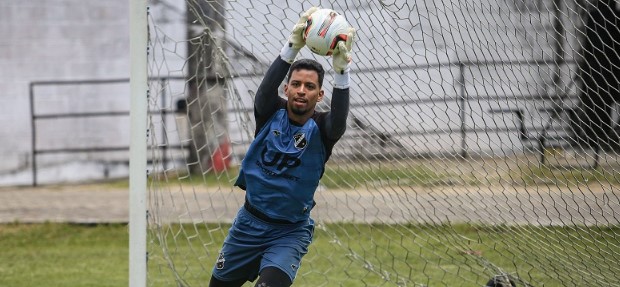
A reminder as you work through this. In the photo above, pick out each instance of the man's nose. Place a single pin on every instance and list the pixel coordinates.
(302, 89)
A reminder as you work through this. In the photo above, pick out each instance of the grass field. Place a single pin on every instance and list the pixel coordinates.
(485, 171)
(63, 255)
(342, 255)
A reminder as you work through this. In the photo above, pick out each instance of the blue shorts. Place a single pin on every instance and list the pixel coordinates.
(253, 244)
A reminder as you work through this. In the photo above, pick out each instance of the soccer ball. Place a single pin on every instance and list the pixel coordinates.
(324, 29)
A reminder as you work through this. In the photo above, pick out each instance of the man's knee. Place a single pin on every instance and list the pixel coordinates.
(273, 277)
(214, 282)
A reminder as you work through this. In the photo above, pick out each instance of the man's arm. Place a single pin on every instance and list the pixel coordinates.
(336, 119)
(336, 122)
(267, 100)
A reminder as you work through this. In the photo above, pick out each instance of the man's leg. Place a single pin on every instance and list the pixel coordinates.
(219, 283)
(282, 260)
(240, 256)
(273, 277)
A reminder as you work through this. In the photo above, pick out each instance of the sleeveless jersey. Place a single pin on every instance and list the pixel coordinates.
(282, 168)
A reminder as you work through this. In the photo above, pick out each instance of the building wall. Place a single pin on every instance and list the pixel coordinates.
(45, 40)
(54, 40)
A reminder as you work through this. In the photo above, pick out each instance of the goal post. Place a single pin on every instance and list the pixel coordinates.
(481, 145)
(138, 142)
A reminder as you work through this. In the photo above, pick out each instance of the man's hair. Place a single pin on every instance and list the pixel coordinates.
(307, 64)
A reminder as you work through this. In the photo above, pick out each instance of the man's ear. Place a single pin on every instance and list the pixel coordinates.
(321, 94)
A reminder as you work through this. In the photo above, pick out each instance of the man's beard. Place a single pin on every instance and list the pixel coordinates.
(299, 112)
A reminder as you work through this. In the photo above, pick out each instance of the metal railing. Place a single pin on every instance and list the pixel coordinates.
(35, 117)
(461, 99)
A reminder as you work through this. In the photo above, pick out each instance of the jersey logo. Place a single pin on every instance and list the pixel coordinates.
(279, 159)
(300, 140)
(219, 264)
(276, 132)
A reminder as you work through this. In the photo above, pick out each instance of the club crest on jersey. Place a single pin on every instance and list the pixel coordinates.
(300, 140)
(219, 264)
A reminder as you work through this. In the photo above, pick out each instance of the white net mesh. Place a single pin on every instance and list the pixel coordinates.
(481, 142)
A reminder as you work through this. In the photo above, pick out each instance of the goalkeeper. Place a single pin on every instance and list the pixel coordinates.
(283, 165)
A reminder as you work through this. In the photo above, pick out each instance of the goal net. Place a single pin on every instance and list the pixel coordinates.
(481, 144)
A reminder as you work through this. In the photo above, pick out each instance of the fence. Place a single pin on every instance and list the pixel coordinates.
(539, 134)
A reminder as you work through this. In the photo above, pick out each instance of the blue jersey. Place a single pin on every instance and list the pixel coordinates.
(284, 163)
(282, 168)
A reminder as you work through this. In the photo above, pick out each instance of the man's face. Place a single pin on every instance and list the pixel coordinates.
(303, 92)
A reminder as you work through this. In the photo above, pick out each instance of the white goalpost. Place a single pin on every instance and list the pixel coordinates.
(481, 145)
(138, 144)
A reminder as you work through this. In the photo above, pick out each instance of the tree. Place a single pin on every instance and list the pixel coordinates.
(599, 71)
(206, 82)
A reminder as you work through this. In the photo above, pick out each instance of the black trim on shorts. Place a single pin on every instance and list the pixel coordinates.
(251, 209)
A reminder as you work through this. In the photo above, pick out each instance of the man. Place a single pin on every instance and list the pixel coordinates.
(283, 165)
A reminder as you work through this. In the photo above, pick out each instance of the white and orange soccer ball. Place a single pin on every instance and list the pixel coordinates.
(324, 29)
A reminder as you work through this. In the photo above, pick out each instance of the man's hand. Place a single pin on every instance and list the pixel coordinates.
(342, 53)
(296, 39)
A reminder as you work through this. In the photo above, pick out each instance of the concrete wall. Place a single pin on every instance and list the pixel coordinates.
(55, 40)
(71, 40)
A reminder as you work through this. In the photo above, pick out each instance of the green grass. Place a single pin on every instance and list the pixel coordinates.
(63, 255)
(565, 176)
(380, 175)
(335, 177)
(341, 255)
(365, 175)
(377, 175)
(226, 178)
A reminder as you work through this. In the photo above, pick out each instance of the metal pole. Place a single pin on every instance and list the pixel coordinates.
(138, 45)
(558, 27)
(33, 137)
(164, 148)
(462, 110)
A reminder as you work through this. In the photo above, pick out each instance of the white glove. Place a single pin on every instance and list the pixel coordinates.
(341, 56)
(296, 39)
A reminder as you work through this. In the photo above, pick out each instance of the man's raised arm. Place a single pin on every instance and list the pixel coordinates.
(336, 122)
(267, 99)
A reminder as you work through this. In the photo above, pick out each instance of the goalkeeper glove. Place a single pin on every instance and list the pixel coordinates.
(296, 40)
(341, 58)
